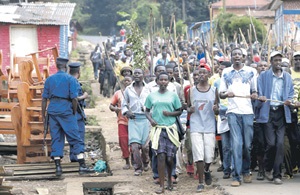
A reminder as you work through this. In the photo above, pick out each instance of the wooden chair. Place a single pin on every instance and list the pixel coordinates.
(6, 126)
(30, 133)
(1, 62)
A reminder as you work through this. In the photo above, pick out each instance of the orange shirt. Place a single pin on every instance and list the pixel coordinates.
(116, 100)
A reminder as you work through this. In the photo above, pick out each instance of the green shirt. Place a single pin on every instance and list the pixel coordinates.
(158, 103)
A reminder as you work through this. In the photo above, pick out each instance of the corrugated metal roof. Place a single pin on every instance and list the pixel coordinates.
(241, 3)
(38, 13)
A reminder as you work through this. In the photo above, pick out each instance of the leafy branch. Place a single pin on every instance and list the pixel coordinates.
(134, 40)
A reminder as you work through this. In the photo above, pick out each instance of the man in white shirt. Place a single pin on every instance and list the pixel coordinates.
(239, 85)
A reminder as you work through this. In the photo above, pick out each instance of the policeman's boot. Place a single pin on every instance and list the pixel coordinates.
(58, 170)
(83, 169)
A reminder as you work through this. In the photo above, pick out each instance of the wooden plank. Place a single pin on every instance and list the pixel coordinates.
(40, 164)
(6, 124)
(36, 125)
(34, 108)
(39, 167)
(36, 100)
(44, 171)
(36, 87)
(10, 131)
(36, 159)
(34, 177)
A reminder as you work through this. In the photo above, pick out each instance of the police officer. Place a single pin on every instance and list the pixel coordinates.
(62, 91)
(74, 70)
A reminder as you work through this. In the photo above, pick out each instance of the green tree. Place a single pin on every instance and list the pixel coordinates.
(100, 15)
(229, 24)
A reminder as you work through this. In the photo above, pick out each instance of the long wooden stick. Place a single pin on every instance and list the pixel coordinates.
(244, 39)
(265, 40)
(211, 39)
(151, 41)
(160, 32)
(248, 96)
(292, 47)
(177, 51)
(191, 83)
(250, 42)
(169, 38)
(113, 68)
(252, 25)
(269, 45)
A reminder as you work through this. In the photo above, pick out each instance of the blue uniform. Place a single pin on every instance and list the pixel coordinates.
(80, 122)
(61, 88)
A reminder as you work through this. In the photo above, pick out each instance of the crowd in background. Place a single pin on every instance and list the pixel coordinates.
(233, 100)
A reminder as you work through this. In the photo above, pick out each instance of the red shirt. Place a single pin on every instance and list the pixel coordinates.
(116, 100)
(122, 32)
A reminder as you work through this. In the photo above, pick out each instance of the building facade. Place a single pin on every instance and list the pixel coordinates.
(27, 27)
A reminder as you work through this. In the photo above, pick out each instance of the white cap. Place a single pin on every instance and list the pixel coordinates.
(244, 51)
(296, 54)
(191, 61)
(285, 60)
(215, 49)
(275, 53)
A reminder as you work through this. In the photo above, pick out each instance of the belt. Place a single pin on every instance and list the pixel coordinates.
(274, 108)
(60, 98)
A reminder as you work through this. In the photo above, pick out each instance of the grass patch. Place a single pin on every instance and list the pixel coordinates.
(92, 121)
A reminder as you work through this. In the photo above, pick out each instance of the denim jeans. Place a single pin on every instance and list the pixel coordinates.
(227, 152)
(95, 68)
(154, 166)
(241, 134)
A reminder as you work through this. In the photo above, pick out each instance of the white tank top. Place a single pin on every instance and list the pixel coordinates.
(203, 119)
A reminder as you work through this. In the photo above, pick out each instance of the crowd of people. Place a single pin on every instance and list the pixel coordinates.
(242, 104)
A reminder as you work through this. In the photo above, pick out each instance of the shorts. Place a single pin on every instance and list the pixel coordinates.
(203, 146)
(165, 145)
(138, 129)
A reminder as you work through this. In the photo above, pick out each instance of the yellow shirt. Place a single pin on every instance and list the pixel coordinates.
(212, 79)
(119, 66)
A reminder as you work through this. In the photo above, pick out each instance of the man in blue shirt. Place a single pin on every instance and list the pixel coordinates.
(62, 91)
(74, 70)
(277, 85)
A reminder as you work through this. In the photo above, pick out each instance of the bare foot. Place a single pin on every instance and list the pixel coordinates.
(160, 190)
(126, 167)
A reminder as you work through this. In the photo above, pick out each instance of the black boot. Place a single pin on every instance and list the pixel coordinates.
(58, 170)
(83, 169)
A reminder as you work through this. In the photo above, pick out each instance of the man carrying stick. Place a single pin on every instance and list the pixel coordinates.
(277, 85)
(239, 80)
